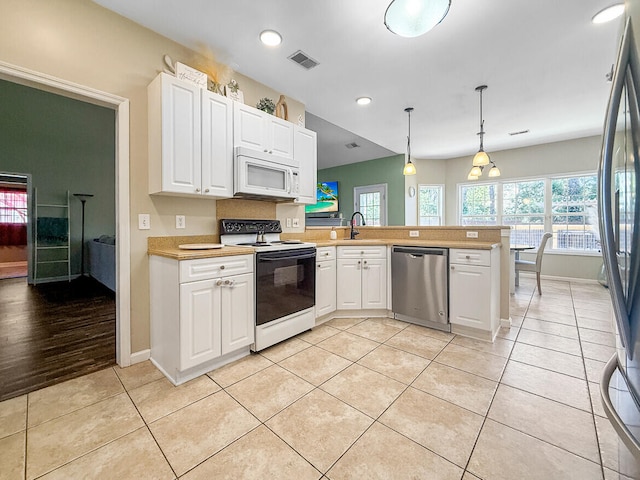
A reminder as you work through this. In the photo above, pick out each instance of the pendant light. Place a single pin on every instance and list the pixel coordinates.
(409, 168)
(482, 158)
(412, 18)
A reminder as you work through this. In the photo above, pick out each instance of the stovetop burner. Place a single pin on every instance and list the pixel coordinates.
(247, 233)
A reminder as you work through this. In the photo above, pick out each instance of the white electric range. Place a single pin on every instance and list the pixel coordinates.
(284, 279)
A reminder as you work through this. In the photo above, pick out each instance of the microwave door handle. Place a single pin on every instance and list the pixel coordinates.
(289, 179)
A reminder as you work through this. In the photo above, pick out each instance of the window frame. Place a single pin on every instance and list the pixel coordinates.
(13, 210)
(548, 203)
(441, 198)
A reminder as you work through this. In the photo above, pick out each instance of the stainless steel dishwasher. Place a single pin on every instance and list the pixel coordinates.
(420, 285)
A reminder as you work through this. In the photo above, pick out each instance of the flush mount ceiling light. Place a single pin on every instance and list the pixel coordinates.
(363, 100)
(608, 14)
(482, 158)
(271, 38)
(409, 168)
(412, 18)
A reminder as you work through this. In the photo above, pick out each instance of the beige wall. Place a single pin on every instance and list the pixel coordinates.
(428, 172)
(79, 41)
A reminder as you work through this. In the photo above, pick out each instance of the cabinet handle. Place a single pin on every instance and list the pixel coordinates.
(198, 190)
(266, 151)
(206, 190)
(231, 283)
(326, 254)
(468, 257)
(452, 267)
(318, 265)
(361, 252)
(218, 283)
(270, 151)
(221, 267)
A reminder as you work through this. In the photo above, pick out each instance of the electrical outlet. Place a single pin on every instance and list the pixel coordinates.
(288, 223)
(144, 221)
(472, 234)
(181, 221)
(414, 233)
(296, 222)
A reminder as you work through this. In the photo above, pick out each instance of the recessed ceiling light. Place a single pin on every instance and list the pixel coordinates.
(271, 38)
(363, 100)
(609, 13)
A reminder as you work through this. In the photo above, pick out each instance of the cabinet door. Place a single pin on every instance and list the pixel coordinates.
(280, 137)
(305, 152)
(469, 296)
(237, 307)
(249, 127)
(199, 323)
(374, 283)
(349, 284)
(325, 287)
(181, 137)
(217, 145)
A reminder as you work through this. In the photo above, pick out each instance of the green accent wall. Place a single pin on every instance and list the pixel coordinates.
(64, 144)
(372, 172)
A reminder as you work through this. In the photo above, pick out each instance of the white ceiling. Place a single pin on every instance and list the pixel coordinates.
(544, 63)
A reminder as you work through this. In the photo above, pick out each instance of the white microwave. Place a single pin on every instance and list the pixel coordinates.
(259, 174)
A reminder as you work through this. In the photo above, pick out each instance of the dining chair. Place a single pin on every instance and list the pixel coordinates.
(528, 266)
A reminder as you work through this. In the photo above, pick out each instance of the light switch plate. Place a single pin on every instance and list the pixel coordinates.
(288, 223)
(296, 222)
(181, 221)
(144, 221)
(472, 234)
(414, 233)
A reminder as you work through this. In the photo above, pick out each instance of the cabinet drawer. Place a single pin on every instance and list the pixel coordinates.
(325, 253)
(205, 268)
(465, 256)
(368, 251)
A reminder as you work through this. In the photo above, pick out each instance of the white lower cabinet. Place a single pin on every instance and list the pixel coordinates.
(202, 313)
(474, 292)
(325, 281)
(361, 278)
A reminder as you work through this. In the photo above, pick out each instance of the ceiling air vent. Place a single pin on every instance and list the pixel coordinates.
(521, 132)
(303, 60)
(352, 145)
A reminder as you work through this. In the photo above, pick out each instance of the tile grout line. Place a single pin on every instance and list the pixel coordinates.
(584, 364)
(486, 416)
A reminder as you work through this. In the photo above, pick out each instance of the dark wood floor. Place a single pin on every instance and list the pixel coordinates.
(53, 332)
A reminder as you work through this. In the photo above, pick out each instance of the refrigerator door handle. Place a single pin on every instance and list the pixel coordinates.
(605, 182)
(623, 432)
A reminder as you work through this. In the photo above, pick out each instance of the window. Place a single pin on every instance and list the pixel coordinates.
(479, 204)
(371, 202)
(523, 210)
(13, 206)
(565, 206)
(430, 205)
(574, 213)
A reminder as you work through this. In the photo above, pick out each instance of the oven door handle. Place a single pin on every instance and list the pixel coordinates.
(291, 257)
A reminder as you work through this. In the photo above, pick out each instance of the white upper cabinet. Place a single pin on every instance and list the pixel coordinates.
(253, 128)
(306, 153)
(190, 139)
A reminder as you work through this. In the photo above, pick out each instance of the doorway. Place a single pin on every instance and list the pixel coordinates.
(371, 201)
(14, 225)
(120, 107)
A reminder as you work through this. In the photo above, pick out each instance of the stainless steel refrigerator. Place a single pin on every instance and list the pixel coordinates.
(619, 212)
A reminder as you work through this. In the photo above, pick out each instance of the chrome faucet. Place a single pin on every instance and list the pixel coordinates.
(355, 232)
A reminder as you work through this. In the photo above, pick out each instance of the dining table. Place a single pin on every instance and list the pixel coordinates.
(514, 254)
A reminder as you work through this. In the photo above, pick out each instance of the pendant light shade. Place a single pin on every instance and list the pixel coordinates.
(482, 159)
(412, 18)
(409, 168)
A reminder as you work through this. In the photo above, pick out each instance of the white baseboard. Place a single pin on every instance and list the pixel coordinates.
(505, 322)
(141, 356)
(561, 279)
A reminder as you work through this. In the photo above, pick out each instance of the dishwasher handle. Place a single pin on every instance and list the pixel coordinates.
(420, 251)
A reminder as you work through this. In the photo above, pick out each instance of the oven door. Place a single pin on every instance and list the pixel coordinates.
(285, 283)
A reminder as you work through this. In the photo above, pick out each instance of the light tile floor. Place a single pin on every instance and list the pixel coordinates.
(351, 399)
